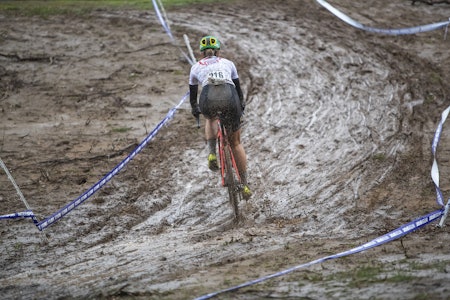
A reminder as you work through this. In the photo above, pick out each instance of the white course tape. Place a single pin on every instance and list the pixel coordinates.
(166, 27)
(435, 168)
(402, 31)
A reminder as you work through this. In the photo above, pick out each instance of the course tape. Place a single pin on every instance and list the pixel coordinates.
(66, 209)
(393, 235)
(24, 214)
(434, 168)
(169, 32)
(402, 31)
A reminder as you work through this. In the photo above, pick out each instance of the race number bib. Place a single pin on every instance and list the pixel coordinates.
(218, 77)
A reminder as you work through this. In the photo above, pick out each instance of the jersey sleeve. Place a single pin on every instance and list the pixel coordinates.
(193, 80)
(234, 73)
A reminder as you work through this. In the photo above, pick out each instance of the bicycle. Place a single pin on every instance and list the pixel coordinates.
(229, 173)
(228, 169)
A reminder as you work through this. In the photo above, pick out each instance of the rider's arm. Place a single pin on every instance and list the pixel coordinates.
(193, 90)
(239, 91)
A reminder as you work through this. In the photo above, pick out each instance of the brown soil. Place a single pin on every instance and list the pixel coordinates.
(338, 130)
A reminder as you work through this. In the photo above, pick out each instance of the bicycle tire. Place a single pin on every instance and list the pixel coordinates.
(231, 183)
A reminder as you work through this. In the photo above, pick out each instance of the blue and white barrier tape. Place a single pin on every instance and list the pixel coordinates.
(66, 209)
(435, 168)
(162, 21)
(395, 234)
(24, 214)
(168, 31)
(402, 31)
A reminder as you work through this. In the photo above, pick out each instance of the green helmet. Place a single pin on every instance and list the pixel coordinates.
(209, 42)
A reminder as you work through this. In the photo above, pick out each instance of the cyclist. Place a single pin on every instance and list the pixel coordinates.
(221, 91)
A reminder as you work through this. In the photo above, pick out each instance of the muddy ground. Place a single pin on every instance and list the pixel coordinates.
(338, 129)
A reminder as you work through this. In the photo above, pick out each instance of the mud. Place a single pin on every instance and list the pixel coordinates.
(338, 129)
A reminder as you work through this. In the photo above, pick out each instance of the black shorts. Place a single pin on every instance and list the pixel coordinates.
(223, 99)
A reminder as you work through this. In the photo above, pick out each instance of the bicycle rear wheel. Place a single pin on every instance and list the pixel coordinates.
(231, 183)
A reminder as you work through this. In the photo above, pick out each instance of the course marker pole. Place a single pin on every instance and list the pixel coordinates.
(19, 192)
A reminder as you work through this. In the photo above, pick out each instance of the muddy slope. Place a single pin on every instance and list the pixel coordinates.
(337, 132)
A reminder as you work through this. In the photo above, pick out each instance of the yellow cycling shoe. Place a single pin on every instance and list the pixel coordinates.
(246, 192)
(212, 162)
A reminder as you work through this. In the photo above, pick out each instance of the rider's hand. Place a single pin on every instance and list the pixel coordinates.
(196, 111)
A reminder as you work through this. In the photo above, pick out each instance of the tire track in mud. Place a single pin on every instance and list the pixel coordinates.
(197, 212)
(326, 106)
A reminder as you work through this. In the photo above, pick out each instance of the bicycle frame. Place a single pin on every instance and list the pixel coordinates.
(228, 170)
(224, 145)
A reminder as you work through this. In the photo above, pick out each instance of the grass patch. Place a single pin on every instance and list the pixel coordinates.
(66, 7)
(45, 8)
(370, 274)
(439, 266)
(121, 129)
(365, 275)
(379, 156)
(400, 277)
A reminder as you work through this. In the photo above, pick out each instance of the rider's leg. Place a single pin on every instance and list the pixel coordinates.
(239, 155)
(211, 128)
(241, 162)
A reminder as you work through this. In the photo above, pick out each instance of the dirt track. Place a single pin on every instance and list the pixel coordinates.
(338, 130)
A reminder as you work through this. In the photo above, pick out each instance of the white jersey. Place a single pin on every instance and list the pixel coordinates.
(213, 70)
